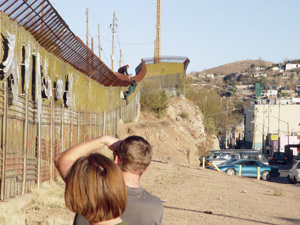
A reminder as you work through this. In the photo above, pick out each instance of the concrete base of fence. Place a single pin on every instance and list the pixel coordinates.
(16, 204)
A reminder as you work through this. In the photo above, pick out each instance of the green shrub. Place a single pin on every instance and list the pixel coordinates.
(155, 101)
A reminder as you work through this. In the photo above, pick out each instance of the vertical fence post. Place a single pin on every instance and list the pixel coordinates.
(4, 129)
(258, 173)
(39, 152)
(62, 128)
(51, 141)
(100, 122)
(25, 144)
(118, 119)
(72, 127)
(90, 125)
(104, 122)
(84, 124)
(95, 124)
(78, 127)
(114, 123)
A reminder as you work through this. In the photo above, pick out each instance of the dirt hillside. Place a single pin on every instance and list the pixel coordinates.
(239, 66)
(177, 137)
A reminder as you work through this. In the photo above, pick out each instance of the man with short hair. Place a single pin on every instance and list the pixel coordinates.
(133, 155)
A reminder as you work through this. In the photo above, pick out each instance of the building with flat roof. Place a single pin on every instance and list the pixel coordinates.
(281, 121)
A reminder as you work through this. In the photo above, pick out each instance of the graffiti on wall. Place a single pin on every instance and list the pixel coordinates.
(43, 86)
(11, 66)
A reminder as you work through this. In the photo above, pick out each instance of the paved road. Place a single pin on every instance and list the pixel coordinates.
(283, 169)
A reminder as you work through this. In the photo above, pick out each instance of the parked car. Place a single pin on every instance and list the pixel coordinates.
(212, 154)
(236, 154)
(222, 159)
(229, 161)
(294, 172)
(279, 157)
(249, 169)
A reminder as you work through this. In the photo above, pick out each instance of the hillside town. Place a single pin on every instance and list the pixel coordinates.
(270, 120)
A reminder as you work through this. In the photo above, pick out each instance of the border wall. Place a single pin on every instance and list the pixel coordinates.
(166, 73)
(73, 108)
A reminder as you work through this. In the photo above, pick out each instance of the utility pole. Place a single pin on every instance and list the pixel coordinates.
(278, 127)
(157, 40)
(254, 115)
(227, 125)
(113, 40)
(92, 44)
(87, 27)
(99, 43)
(263, 133)
(120, 63)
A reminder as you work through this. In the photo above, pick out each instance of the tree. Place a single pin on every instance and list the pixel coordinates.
(262, 81)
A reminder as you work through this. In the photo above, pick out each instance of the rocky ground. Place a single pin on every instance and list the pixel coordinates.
(191, 195)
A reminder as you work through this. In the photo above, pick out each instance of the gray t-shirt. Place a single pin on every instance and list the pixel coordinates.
(142, 208)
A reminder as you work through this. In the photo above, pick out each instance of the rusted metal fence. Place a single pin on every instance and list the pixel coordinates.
(28, 147)
(48, 28)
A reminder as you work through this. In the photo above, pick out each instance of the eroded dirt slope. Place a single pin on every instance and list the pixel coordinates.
(178, 137)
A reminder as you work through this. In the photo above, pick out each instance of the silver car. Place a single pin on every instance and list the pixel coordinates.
(294, 172)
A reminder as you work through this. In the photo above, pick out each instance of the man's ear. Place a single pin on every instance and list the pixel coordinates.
(117, 160)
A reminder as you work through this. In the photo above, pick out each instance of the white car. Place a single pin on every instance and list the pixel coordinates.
(294, 172)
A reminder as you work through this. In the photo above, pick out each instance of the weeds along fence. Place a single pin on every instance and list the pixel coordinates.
(28, 148)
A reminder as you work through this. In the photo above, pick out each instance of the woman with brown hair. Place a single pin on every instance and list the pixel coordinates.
(95, 186)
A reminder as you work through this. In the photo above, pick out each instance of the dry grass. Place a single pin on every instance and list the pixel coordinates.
(48, 221)
(9, 218)
(51, 194)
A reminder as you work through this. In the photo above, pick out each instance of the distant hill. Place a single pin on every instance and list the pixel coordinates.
(239, 66)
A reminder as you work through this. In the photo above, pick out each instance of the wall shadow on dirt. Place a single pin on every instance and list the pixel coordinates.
(221, 215)
(294, 221)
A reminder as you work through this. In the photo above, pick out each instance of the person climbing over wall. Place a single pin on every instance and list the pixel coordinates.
(123, 70)
(131, 89)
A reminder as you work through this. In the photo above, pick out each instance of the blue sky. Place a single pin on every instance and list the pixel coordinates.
(209, 32)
